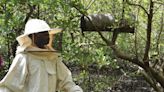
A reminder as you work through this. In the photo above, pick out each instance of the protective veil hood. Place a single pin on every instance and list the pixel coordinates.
(34, 26)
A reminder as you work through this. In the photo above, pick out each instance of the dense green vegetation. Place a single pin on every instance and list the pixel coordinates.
(93, 55)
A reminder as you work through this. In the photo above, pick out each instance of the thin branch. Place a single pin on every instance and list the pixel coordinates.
(136, 35)
(123, 8)
(149, 29)
(155, 10)
(103, 38)
(156, 2)
(95, 42)
(114, 37)
(81, 12)
(90, 3)
(32, 8)
(138, 6)
(161, 28)
(135, 45)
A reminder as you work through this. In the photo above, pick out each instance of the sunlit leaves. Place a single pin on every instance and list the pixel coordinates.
(88, 49)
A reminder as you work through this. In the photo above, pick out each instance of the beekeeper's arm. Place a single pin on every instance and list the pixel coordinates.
(65, 81)
(16, 76)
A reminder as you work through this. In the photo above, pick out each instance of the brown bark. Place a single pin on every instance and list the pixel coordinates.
(149, 29)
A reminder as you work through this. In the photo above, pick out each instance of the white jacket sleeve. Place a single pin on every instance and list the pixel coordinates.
(65, 81)
(16, 76)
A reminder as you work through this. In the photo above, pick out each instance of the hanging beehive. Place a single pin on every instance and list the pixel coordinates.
(103, 22)
(100, 21)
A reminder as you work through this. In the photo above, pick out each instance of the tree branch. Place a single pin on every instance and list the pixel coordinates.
(32, 8)
(118, 53)
(151, 81)
(149, 29)
(127, 57)
(128, 2)
(161, 28)
(103, 38)
(90, 3)
(157, 75)
(114, 37)
(80, 11)
(157, 2)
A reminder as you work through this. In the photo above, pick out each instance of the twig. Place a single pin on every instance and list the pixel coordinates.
(138, 6)
(155, 10)
(162, 3)
(32, 8)
(90, 3)
(161, 28)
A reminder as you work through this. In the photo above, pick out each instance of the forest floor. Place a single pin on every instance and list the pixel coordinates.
(106, 79)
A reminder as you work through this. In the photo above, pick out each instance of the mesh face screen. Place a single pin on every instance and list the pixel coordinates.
(57, 42)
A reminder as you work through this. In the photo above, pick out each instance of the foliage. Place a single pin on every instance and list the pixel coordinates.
(89, 49)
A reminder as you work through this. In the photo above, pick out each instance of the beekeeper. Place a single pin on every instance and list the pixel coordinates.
(37, 67)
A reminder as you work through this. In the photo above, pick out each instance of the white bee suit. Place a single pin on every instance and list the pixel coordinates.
(36, 70)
